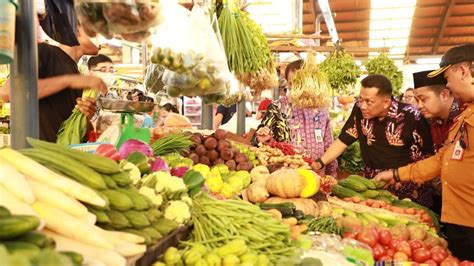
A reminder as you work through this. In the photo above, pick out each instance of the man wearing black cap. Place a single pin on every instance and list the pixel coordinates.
(455, 161)
(437, 104)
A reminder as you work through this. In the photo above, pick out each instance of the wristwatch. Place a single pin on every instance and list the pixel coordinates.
(396, 176)
(321, 163)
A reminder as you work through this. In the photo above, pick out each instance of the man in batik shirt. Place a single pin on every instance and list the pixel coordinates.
(390, 134)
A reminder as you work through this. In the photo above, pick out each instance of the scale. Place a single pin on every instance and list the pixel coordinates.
(127, 109)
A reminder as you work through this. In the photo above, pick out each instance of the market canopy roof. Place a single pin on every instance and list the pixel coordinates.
(436, 25)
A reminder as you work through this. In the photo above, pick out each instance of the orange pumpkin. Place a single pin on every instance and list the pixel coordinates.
(293, 183)
(285, 183)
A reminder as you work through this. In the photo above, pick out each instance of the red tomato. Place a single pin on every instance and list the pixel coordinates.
(431, 262)
(389, 251)
(378, 251)
(438, 254)
(404, 247)
(386, 258)
(385, 237)
(394, 243)
(367, 238)
(415, 244)
(466, 263)
(449, 262)
(373, 231)
(350, 235)
(109, 151)
(421, 255)
(400, 256)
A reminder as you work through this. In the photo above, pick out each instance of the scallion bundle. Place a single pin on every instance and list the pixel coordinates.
(74, 129)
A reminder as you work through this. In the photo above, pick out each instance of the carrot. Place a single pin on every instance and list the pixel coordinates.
(410, 211)
(376, 205)
(356, 199)
(383, 204)
(397, 209)
(419, 211)
(295, 232)
(302, 228)
(426, 218)
(370, 202)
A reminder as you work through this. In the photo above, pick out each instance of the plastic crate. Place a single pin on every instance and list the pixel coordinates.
(87, 147)
(171, 240)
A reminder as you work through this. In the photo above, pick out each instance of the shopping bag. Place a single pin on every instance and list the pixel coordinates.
(208, 73)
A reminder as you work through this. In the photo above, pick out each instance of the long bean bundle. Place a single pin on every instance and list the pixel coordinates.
(74, 129)
(171, 143)
(218, 222)
(245, 44)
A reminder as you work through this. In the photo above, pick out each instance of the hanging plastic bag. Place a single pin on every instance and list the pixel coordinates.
(208, 73)
(131, 19)
(152, 80)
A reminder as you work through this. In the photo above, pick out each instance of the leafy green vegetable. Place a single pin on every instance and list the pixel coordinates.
(384, 65)
(74, 129)
(342, 71)
(350, 161)
(171, 143)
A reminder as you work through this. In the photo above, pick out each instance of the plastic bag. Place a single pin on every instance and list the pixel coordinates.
(152, 80)
(195, 61)
(131, 19)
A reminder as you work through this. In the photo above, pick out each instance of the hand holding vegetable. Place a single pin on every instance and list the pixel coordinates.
(386, 176)
(87, 106)
(264, 135)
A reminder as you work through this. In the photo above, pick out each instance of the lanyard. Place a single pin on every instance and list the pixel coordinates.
(464, 138)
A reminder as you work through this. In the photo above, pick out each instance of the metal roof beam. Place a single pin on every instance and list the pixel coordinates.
(449, 8)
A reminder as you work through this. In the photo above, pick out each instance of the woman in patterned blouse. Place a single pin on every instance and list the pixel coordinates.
(308, 130)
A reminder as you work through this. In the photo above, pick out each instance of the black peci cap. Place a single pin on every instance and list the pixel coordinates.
(421, 79)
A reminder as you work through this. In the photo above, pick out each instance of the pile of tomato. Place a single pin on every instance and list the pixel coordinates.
(387, 248)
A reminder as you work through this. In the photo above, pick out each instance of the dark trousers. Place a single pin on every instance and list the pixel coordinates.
(461, 241)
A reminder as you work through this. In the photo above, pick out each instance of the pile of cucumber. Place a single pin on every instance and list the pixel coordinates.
(362, 188)
(127, 210)
(21, 245)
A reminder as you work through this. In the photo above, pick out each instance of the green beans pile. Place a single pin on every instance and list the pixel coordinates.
(245, 44)
(217, 222)
(325, 224)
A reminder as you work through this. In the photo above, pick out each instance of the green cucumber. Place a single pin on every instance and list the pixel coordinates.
(286, 208)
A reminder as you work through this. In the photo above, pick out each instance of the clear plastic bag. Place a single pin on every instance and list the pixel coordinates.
(152, 80)
(204, 79)
(131, 19)
(196, 66)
